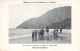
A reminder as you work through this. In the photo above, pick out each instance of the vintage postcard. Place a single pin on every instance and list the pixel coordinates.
(39, 25)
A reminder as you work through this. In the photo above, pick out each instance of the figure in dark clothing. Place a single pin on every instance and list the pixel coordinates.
(55, 34)
(61, 29)
(47, 33)
(33, 35)
(41, 34)
(47, 29)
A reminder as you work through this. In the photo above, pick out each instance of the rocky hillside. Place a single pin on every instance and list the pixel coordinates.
(49, 18)
(66, 24)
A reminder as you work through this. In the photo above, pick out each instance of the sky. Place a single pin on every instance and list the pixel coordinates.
(18, 13)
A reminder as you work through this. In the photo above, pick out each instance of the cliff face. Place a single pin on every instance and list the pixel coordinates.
(49, 18)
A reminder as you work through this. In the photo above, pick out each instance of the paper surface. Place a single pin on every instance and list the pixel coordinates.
(6, 8)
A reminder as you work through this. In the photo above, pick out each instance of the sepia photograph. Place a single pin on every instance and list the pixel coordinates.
(40, 23)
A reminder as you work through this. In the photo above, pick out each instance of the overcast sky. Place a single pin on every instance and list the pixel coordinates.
(18, 13)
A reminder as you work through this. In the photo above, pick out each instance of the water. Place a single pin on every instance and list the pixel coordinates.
(25, 36)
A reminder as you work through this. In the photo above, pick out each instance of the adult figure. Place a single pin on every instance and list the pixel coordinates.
(41, 34)
(33, 35)
(47, 29)
(47, 32)
(55, 34)
(61, 29)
